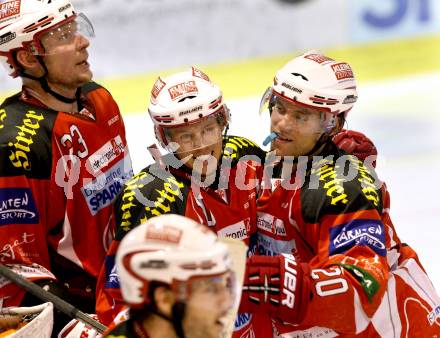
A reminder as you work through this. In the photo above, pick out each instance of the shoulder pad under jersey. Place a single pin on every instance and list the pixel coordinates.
(150, 193)
(25, 138)
(326, 192)
(236, 147)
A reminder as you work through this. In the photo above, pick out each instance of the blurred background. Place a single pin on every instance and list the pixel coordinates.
(392, 45)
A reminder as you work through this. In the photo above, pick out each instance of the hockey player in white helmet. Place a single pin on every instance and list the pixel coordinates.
(54, 135)
(202, 176)
(324, 269)
(189, 117)
(177, 279)
(37, 45)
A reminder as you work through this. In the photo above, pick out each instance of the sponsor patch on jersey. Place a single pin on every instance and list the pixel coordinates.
(342, 71)
(242, 320)
(20, 146)
(101, 192)
(236, 231)
(358, 232)
(111, 276)
(9, 10)
(17, 247)
(106, 154)
(113, 120)
(269, 246)
(264, 221)
(434, 315)
(271, 224)
(17, 206)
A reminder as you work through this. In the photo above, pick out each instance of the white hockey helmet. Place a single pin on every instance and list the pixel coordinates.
(184, 98)
(23, 22)
(317, 81)
(170, 249)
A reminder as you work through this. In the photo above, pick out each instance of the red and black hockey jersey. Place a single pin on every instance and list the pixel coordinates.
(59, 174)
(328, 212)
(227, 206)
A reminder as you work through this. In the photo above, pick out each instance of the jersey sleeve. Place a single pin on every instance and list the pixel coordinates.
(25, 193)
(150, 193)
(349, 272)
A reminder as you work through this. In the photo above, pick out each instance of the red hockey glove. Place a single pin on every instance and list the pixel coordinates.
(355, 143)
(277, 285)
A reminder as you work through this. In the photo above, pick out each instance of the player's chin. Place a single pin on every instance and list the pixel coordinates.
(280, 150)
(85, 76)
(217, 329)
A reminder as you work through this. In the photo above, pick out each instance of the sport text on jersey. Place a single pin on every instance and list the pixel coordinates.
(17, 206)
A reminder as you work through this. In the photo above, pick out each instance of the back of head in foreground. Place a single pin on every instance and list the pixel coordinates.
(176, 277)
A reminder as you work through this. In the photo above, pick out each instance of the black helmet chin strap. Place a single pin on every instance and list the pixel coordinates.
(323, 139)
(178, 312)
(45, 85)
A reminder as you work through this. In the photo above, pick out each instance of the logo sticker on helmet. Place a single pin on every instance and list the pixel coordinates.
(183, 88)
(7, 37)
(9, 10)
(157, 87)
(198, 73)
(343, 71)
(164, 234)
(192, 110)
(319, 58)
(350, 99)
(62, 9)
(292, 88)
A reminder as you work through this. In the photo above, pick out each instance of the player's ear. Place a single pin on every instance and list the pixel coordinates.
(339, 125)
(28, 62)
(164, 299)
